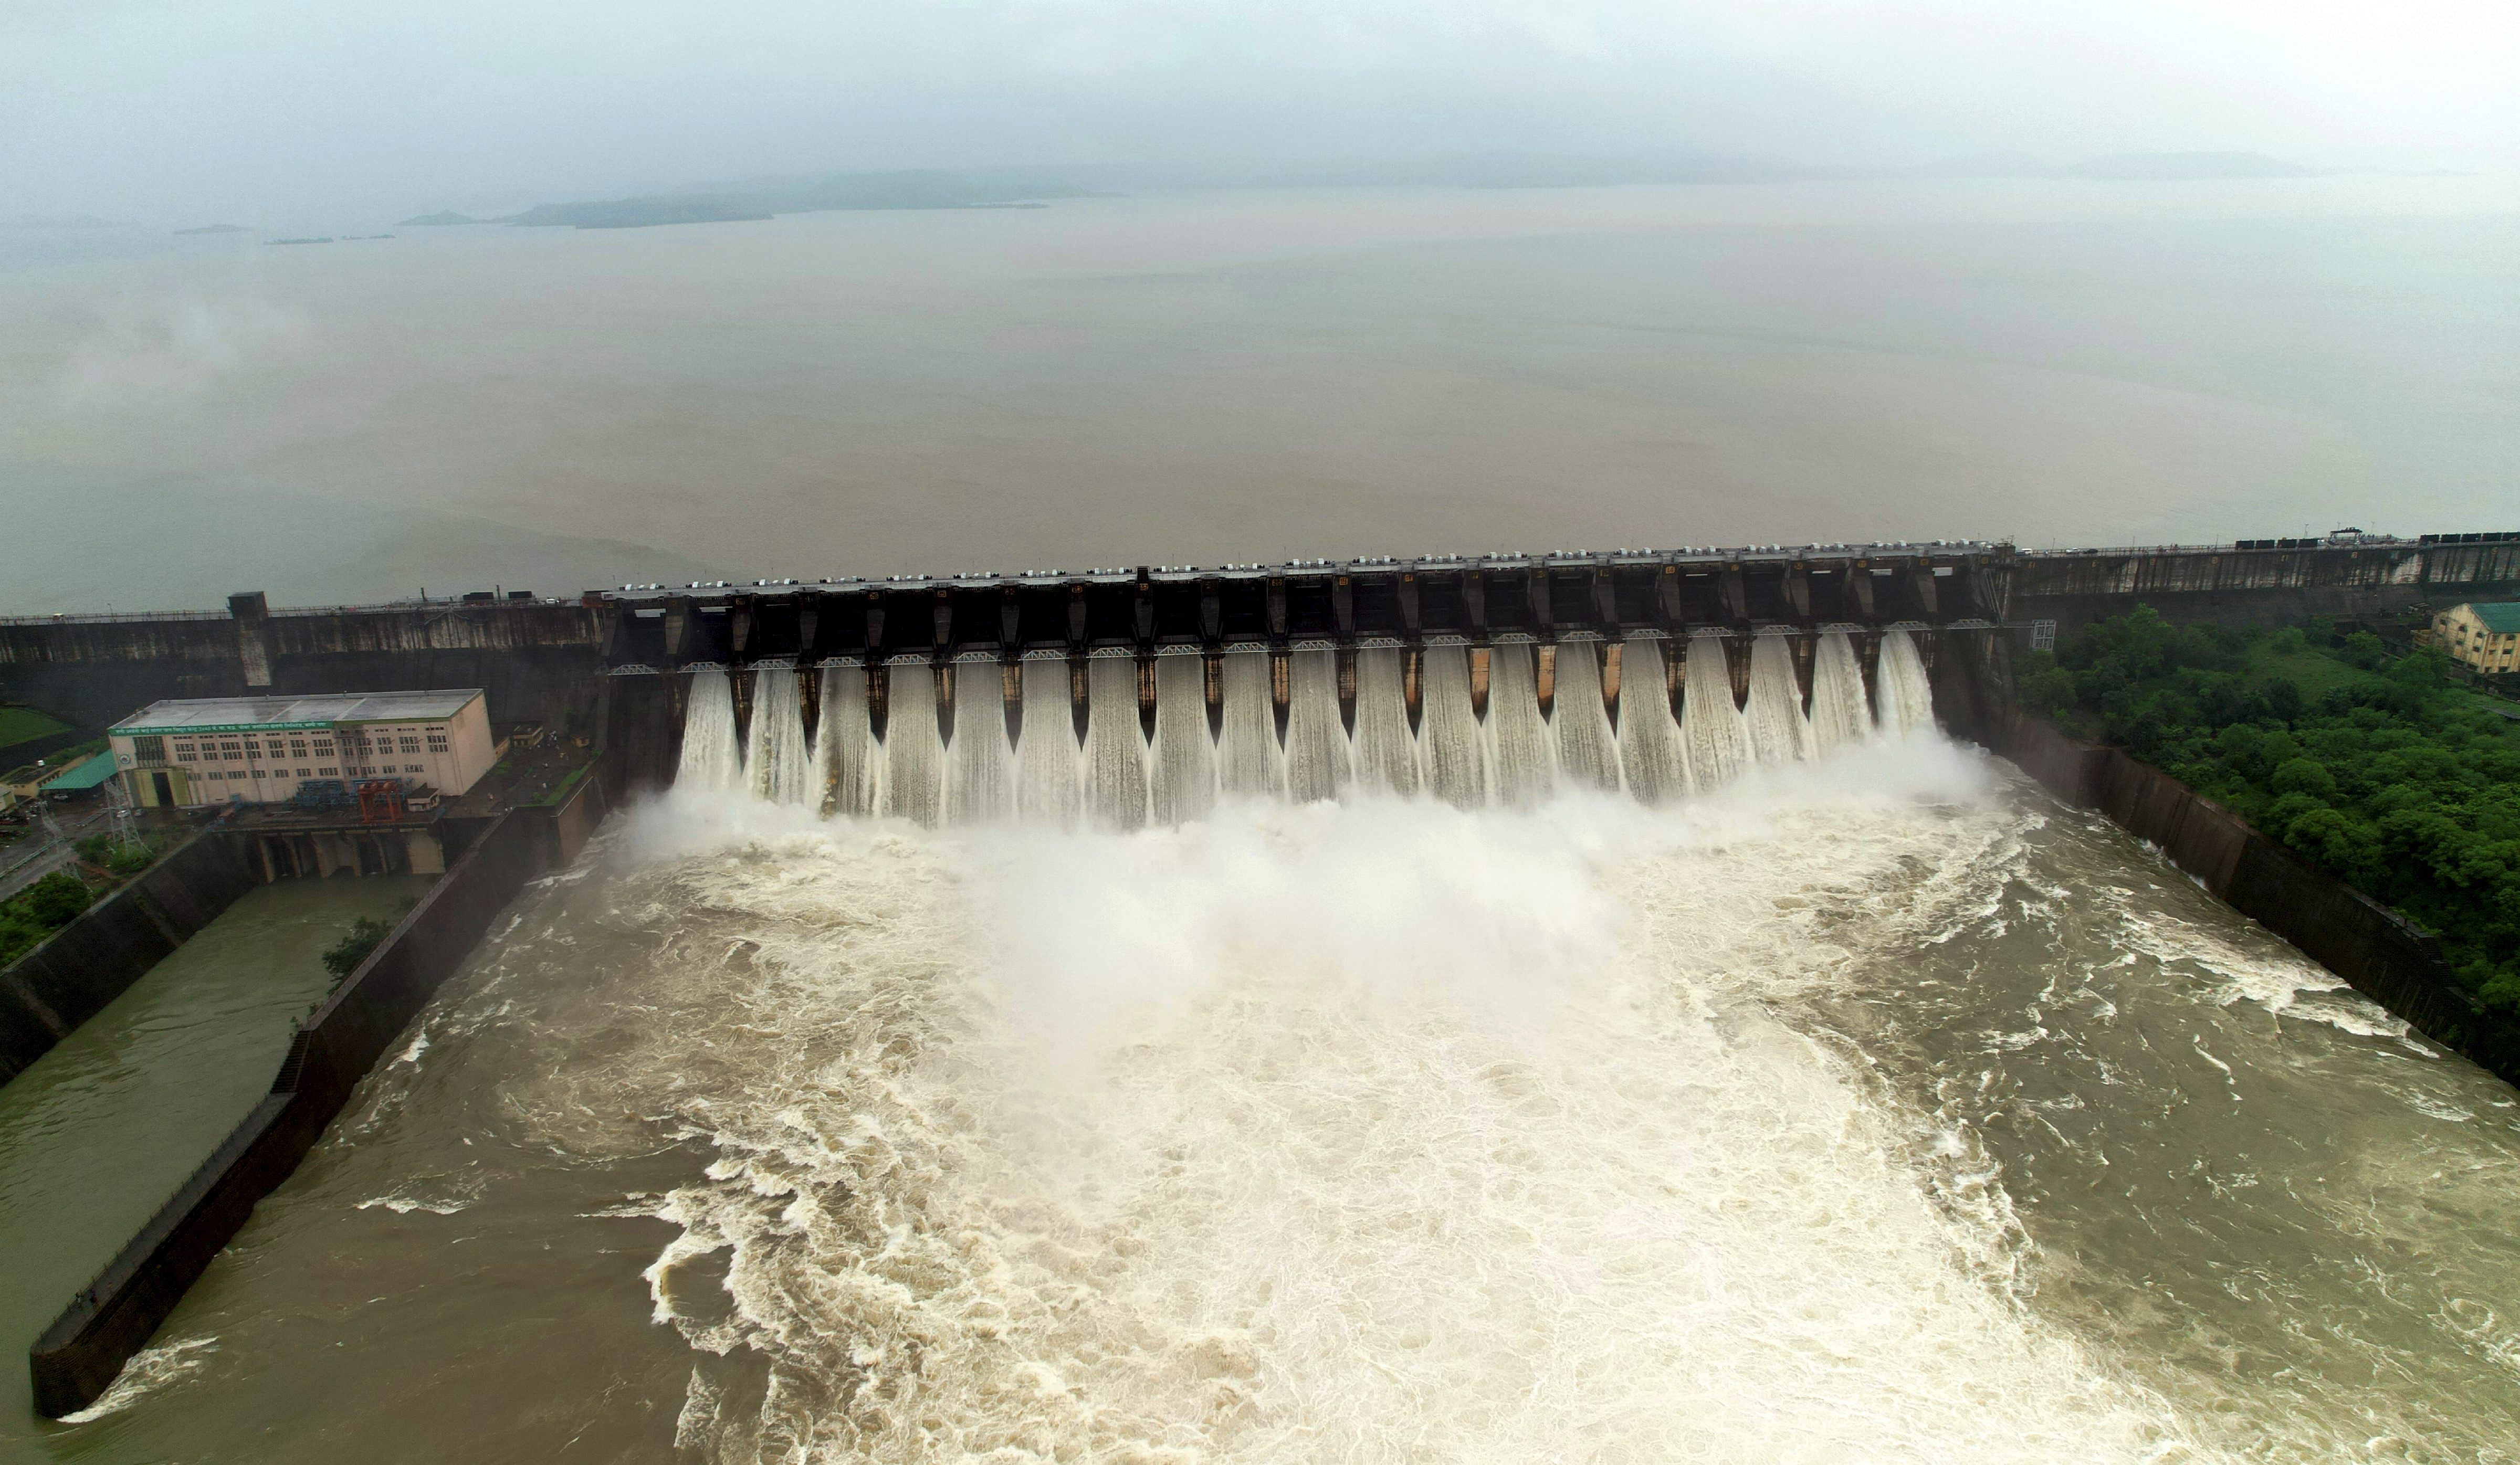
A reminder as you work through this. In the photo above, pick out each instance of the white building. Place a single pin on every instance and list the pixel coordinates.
(214, 750)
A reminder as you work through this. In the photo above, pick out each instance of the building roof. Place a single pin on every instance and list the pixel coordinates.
(2502, 617)
(181, 715)
(85, 774)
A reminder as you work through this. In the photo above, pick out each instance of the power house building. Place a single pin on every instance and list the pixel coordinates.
(188, 752)
(2485, 636)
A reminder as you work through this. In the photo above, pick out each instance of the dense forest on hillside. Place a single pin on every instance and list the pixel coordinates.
(2384, 771)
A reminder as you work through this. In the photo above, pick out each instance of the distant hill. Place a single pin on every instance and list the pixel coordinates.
(2118, 167)
(443, 216)
(216, 229)
(2185, 168)
(1540, 170)
(764, 198)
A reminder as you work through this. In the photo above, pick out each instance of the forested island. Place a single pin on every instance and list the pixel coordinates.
(2385, 771)
(765, 198)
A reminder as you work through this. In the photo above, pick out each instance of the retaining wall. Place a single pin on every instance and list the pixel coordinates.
(2370, 947)
(116, 1314)
(95, 959)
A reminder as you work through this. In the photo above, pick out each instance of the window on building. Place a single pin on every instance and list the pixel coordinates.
(149, 749)
(329, 772)
(307, 773)
(413, 767)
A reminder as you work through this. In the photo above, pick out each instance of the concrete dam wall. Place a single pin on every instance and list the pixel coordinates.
(608, 664)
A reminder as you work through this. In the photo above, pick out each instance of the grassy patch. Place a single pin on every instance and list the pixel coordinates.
(24, 724)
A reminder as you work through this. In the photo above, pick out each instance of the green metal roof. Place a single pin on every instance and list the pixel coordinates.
(88, 775)
(2502, 617)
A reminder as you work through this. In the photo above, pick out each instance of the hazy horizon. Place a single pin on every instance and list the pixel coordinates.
(267, 111)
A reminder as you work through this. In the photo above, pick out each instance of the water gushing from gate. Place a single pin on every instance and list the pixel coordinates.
(711, 757)
(913, 748)
(1717, 741)
(776, 756)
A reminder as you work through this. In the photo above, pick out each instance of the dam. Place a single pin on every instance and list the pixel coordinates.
(1373, 1006)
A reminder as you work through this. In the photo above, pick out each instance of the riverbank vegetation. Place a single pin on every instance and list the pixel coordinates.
(104, 863)
(2384, 771)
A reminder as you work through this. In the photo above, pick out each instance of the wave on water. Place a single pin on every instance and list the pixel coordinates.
(1366, 1131)
(149, 1372)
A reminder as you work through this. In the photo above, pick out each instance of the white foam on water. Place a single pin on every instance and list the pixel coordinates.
(2264, 971)
(1368, 1131)
(150, 1371)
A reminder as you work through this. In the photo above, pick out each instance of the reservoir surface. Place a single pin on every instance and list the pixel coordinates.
(1255, 375)
(1876, 1107)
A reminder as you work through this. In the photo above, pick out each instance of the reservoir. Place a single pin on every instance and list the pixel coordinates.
(1202, 377)
(1873, 1106)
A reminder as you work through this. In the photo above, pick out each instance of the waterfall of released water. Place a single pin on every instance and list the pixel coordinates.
(1710, 722)
(1579, 719)
(914, 751)
(712, 761)
(1115, 744)
(1518, 744)
(1184, 785)
(844, 762)
(1650, 752)
(1778, 733)
(1838, 714)
(1248, 760)
(1455, 748)
(775, 756)
(1903, 698)
(1317, 747)
(979, 763)
(1049, 776)
(1386, 752)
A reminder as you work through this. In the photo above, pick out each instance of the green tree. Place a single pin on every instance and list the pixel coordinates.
(343, 957)
(55, 900)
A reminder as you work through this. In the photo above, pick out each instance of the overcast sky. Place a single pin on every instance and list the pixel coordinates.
(267, 111)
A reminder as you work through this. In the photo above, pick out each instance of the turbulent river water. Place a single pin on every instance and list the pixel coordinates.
(1867, 1108)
